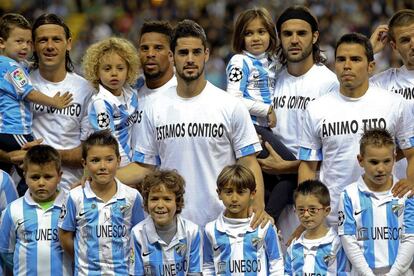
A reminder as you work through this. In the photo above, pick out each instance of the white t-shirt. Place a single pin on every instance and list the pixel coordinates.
(398, 81)
(146, 96)
(198, 137)
(65, 128)
(292, 95)
(332, 128)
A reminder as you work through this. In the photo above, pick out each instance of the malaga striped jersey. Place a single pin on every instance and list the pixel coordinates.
(152, 256)
(15, 85)
(117, 113)
(252, 79)
(102, 229)
(324, 256)
(31, 233)
(375, 219)
(232, 247)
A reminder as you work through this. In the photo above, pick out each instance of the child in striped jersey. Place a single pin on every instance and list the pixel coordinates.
(251, 73)
(29, 239)
(112, 65)
(318, 251)
(375, 226)
(165, 243)
(231, 246)
(96, 226)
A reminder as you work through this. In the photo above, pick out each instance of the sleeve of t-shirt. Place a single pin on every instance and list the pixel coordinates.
(20, 82)
(243, 135)
(85, 126)
(346, 220)
(8, 191)
(7, 232)
(196, 253)
(310, 144)
(273, 251)
(67, 221)
(288, 260)
(237, 80)
(101, 115)
(137, 267)
(405, 131)
(208, 259)
(146, 151)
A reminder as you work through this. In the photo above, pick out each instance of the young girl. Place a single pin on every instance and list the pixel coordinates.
(112, 65)
(165, 243)
(251, 73)
(95, 227)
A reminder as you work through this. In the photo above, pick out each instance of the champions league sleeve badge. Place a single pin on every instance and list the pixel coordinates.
(236, 74)
(341, 218)
(63, 212)
(103, 120)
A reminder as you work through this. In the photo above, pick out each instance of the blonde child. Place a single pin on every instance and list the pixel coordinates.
(16, 90)
(96, 225)
(231, 246)
(29, 239)
(112, 65)
(318, 250)
(165, 243)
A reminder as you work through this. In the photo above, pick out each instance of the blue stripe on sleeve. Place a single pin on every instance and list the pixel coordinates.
(195, 262)
(409, 216)
(349, 220)
(137, 214)
(272, 244)
(247, 150)
(207, 250)
(138, 262)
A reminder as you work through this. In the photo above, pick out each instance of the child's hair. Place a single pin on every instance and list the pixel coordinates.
(400, 19)
(100, 138)
(188, 28)
(171, 180)
(120, 46)
(241, 24)
(53, 19)
(12, 20)
(377, 137)
(161, 27)
(315, 188)
(41, 155)
(238, 176)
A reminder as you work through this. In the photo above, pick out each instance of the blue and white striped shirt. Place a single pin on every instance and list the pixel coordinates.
(375, 219)
(232, 247)
(102, 229)
(252, 78)
(15, 85)
(119, 114)
(31, 233)
(324, 256)
(152, 256)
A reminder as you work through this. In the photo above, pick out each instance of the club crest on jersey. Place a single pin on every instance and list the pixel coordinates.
(124, 208)
(341, 218)
(397, 209)
(181, 249)
(257, 242)
(103, 120)
(18, 78)
(329, 259)
(236, 74)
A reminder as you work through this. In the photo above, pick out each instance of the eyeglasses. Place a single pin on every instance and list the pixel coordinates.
(312, 210)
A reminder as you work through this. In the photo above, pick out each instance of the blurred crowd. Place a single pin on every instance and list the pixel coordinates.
(92, 20)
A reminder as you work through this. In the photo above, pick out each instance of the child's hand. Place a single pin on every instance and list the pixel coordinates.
(62, 101)
(271, 117)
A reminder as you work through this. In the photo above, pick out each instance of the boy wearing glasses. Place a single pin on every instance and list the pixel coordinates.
(372, 223)
(318, 250)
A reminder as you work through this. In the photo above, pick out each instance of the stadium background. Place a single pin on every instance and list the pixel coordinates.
(92, 20)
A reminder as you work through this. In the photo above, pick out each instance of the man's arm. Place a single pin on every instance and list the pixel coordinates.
(307, 170)
(274, 164)
(258, 205)
(133, 173)
(72, 157)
